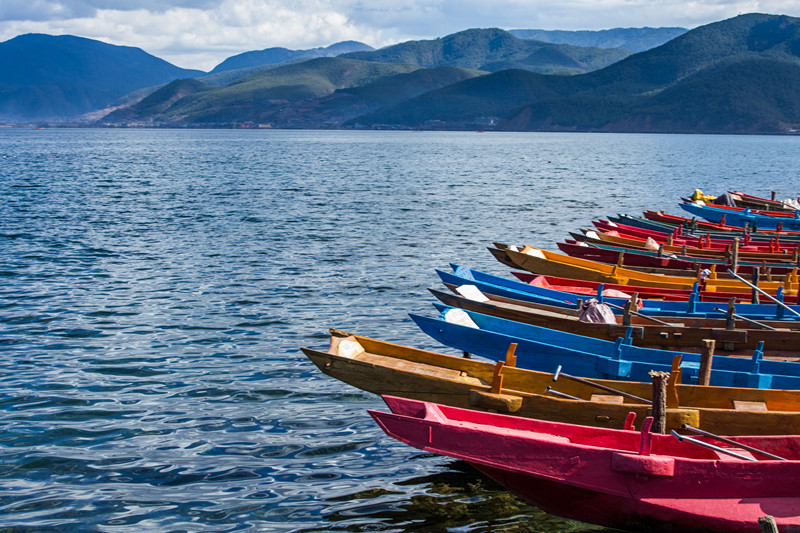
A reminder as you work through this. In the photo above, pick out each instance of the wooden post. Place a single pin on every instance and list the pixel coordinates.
(755, 282)
(660, 380)
(704, 375)
(767, 524)
(730, 322)
(773, 195)
(735, 255)
(626, 314)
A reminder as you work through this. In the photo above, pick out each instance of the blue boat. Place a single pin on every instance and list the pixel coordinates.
(518, 290)
(545, 349)
(740, 218)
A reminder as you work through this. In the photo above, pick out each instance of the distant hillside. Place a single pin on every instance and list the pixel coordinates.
(158, 103)
(344, 104)
(734, 76)
(270, 56)
(45, 77)
(462, 104)
(633, 39)
(493, 50)
(256, 97)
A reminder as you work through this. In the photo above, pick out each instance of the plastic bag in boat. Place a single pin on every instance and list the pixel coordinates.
(791, 204)
(594, 311)
(725, 199)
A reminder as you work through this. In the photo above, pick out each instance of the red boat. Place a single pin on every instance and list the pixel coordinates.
(589, 288)
(642, 261)
(678, 239)
(615, 478)
(660, 216)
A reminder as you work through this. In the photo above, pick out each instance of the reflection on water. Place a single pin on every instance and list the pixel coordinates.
(458, 500)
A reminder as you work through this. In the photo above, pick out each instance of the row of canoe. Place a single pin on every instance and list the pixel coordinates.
(549, 405)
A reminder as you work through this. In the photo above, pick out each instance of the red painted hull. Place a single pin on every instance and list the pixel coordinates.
(639, 261)
(658, 216)
(613, 478)
(702, 243)
(589, 288)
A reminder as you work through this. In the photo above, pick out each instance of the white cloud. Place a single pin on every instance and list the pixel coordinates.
(202, 33)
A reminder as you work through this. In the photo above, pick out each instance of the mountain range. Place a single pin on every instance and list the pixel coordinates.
(734, 76)
(54, 77)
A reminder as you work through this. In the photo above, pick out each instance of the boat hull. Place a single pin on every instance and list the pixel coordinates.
(675, 515)
(613, 478)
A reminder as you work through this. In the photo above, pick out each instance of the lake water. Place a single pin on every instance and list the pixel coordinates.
(157, 284)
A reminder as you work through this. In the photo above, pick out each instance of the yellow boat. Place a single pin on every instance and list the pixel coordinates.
(385, 368)
(549, 263)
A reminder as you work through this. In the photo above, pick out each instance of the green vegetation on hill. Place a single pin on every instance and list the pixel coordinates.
(158, 102)
(719, 65)
(254, 97)
(344, 104)
(494, 49)
(633, 39)
(465, 102)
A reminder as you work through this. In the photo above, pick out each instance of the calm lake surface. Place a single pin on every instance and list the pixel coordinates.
(156, 286)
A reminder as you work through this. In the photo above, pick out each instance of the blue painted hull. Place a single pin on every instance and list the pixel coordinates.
(518, 290)
(544, 350)
(740, 218)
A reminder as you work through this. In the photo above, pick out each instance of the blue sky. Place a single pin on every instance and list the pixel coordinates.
(201, 33)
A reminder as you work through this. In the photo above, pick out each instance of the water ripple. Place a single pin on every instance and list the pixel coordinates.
(158, 284)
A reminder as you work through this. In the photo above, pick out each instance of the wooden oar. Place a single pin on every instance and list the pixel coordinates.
(562, 394)
(734, 443)
(749, 320)
(710, 446)
(598, 386)
(639, 314)
(769, 296)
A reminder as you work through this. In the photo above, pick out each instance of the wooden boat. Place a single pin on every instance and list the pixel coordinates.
(773, 250)
(537, 293)
(543, 349)
(616, 478)
(385, 368)
(597, 289)
(666, 333)
(782, 213)
(649, 261)
(755, 202)
(693, 243)
(740, 218)
(690, 224)
(698, 227)
(552, 264)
